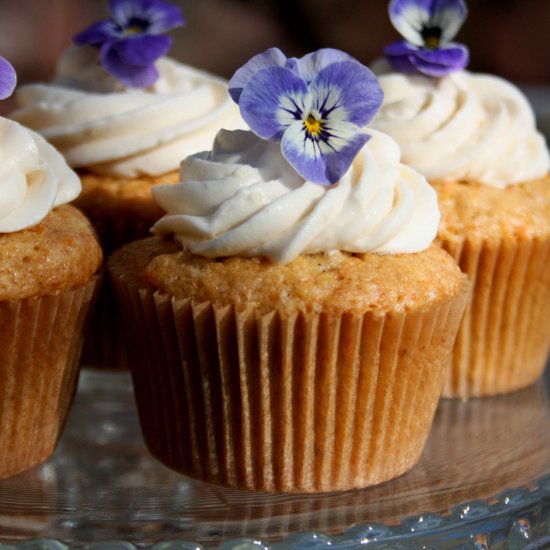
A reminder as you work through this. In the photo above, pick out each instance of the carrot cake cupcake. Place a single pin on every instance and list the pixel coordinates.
(48, 260)
(294, 322)
(474, 137)
(123, 114)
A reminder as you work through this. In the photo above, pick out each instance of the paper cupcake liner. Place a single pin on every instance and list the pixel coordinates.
(121, 210)
(104, 345)
(103, 341)
(504, 338)
(113, 233)
(40, 339)
(306, 403)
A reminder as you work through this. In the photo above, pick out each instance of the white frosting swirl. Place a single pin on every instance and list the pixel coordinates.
(243, 198)
(126, 132)
(463, 127)
(34, 178)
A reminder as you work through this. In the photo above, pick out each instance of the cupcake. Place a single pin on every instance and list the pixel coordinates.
(125, 127)
(290, 321)
(474, 137)
(48, 260)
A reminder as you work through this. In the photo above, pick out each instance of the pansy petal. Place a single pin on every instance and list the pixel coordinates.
(313, 161)
(346, 90)
(8, 78)
(273, 57)
(292, 64)
(409, 17)
(398, 55)
(273, 98)
(160, 16)
(310, 65)
(98, 33)
(134, 76)
(402, 63)
(407, 58)
(122, 11)
(448, 15)
(142, 49)
(400, 48)
(163, 16)
(441, 62)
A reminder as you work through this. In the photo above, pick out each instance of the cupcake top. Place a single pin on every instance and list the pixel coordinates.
(59, 253)
(34, 177)
(243, 198)
(451, 124)
(463, 126)
(484, 212)
(335, 283)
(320, 182)
(45, 244)
(111, 117)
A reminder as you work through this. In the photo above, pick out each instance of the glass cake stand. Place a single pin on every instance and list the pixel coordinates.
(483, 481)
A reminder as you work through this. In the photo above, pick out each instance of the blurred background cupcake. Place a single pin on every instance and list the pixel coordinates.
(124, 121)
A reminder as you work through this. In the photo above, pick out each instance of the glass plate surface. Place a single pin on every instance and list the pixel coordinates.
(483, 480)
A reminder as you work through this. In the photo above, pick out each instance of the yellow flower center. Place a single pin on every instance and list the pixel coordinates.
(131, 31)
(432, 42)
(431, 37)
(312, 125)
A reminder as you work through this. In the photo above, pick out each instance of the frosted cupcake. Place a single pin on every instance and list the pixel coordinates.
(474, 137)
(294, 323)
(124, 115)
(48, 260)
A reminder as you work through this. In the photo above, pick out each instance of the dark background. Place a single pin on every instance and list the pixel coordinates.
(510, 38)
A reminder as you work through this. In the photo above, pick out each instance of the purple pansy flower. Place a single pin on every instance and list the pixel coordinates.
(315, 106)
(428, 27)
(8, 78)
(131, 40)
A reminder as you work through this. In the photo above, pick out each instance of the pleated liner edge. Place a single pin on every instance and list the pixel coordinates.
(286, 403)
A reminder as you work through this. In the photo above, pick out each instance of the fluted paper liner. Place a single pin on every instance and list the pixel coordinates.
(103, 342)
(103, 339)
(304, 402)
(503, 341)
(40, 339)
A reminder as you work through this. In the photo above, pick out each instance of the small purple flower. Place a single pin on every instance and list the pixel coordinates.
(131, 40)
(428, 27)
(315, 106)
(8, 78)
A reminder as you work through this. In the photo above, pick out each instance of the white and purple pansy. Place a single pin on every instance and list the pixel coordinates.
(316, 106)
(8, 78)
(428, 27)
(131, 40)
